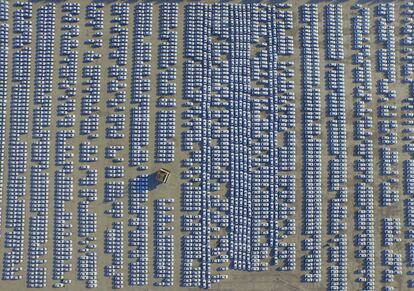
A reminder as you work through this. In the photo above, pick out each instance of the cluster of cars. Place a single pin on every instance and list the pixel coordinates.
(141, 70)
(337, 150)
(165, 133)
(114, 245)
(200, 128)
(163, 242)
(392, 260)
(4, 79)
(280, 158)
(114, 185)
(138, 269)
(241, 117)
(22, 24)
(240, 124)
(15, 215)
(138, 187)
(167, 50)
(4, 52)
(387, 122)
(63, 180)
(166, 85)
(233, 147)
(407, 60)
(311, 112)
(40, 148)
(88, 149)
(4, 10)
(334, 32)
(364, 150)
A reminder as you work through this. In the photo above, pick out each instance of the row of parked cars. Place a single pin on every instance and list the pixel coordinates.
(163, 242)
(224, 131)
(387, 115)
(337, 147)
(363, 129)
(407, 60)
(4, 80)
(166, 83)
(115, 185)
(18, 154)
(41, 148)
(312, 164)
(202, 130)
(63, 245)
(141, 68)
(138, 187)
(89, 124)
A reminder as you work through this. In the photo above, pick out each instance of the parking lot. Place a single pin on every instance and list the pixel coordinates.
(286, 130)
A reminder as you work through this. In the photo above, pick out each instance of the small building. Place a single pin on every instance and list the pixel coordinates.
(163, 175)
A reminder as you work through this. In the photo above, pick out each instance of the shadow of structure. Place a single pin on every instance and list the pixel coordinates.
(152, 181)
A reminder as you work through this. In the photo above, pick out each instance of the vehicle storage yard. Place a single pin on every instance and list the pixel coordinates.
(229, 146)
